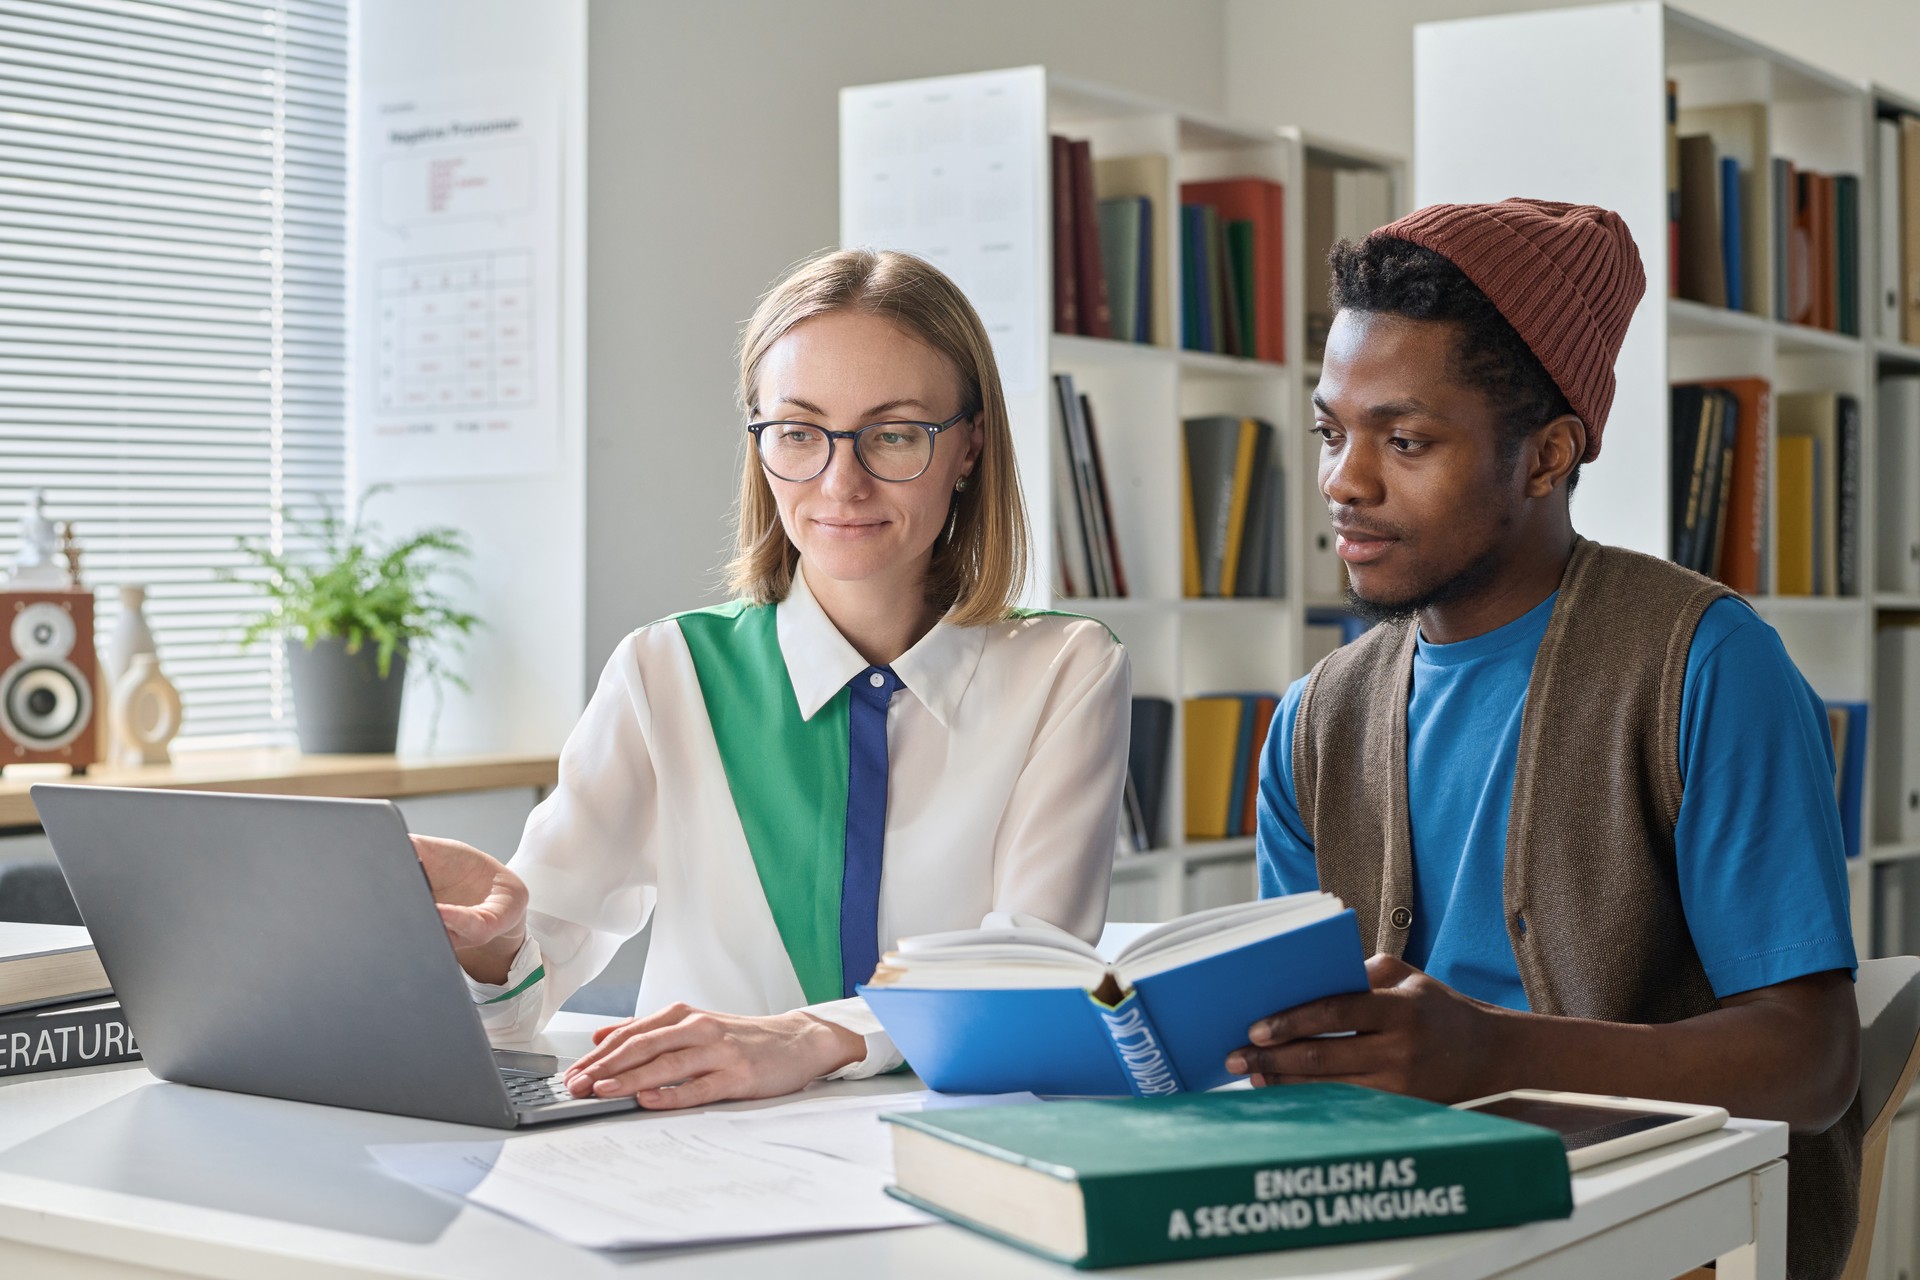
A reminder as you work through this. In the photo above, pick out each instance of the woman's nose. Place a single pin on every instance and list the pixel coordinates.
(844, 477)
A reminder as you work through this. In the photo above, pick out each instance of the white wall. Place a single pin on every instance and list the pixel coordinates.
(527, 668)
(713, 164)
(1346, 69)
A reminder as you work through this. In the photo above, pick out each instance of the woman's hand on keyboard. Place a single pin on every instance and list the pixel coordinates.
(686, 1057)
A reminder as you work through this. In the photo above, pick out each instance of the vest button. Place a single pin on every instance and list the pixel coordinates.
(1401, 918)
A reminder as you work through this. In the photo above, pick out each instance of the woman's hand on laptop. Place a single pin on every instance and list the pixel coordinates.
(686, 1057)
(482, 904)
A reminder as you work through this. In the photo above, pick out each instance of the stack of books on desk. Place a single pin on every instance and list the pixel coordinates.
(56, 1008)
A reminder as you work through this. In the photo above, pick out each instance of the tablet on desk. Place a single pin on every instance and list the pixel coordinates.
(1598, 1128)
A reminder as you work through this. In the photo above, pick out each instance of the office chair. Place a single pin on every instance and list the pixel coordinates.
(34, 892)
(1888, 993)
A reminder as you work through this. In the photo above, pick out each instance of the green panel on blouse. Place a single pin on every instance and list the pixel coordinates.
(787, 776)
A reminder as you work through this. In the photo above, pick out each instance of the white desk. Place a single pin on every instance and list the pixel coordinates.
(108, 1172)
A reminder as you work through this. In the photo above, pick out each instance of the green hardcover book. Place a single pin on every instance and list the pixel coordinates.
(1846, 235)
(1240, 269)
(1113, 1182)
(1219, 302)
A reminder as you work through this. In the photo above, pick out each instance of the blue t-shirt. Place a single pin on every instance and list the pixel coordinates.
(1763, 877)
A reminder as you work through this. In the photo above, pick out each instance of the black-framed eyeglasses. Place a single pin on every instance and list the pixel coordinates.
(892, 451)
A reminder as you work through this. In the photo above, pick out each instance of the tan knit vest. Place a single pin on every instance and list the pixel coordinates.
(1591, 889)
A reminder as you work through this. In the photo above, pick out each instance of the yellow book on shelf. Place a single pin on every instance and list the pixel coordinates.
(1212, 741)
(1793, 510)
(1189, 540)
(1237, 505)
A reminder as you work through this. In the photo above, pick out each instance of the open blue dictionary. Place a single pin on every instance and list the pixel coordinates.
(1031, 1007)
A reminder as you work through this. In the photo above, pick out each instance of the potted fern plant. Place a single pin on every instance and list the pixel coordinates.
(354, 614)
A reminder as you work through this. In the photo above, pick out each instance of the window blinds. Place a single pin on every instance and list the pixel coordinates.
(172, 305)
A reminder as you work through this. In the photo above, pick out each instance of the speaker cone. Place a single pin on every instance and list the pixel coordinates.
(44, 705)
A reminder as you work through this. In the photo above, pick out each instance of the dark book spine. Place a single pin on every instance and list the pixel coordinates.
(1847, 517)
(1136, 1043)
(53, 1039)
(1066, 311)
(1090, 282)
(1108, 528)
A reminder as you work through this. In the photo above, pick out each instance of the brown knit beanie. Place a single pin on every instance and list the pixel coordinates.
(1565, 276)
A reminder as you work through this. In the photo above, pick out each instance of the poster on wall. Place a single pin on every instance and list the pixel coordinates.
(457, 283)
(946, 169)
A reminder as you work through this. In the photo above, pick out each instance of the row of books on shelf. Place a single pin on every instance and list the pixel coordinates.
(1232, 277)
(1898, 156)
(1086, 539)
(1719, 493)
(1109, 282)
(1232, 514)
(1752, 231)
(1233, 505)
(1224, 736)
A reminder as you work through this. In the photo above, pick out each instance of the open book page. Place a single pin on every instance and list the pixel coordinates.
(1022, 952)
(1183, 941)
(1008, 951)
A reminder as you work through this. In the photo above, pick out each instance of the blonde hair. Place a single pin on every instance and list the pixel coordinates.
(979, 568)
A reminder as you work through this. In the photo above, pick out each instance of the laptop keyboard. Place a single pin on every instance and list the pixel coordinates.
(535, 1091)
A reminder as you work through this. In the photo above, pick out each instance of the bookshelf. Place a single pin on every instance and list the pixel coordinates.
(1570, 105)
(956, 169)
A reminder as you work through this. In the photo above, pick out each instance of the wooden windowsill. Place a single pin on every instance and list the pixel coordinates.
(287, 772)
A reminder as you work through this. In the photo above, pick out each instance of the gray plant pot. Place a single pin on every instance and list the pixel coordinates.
(340, 703)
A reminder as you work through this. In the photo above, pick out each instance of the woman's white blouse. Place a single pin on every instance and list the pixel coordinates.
(1006, 757)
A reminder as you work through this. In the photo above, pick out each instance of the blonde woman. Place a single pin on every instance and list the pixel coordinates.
(869, 742)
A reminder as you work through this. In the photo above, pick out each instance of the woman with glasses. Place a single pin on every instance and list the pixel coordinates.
(868, 743)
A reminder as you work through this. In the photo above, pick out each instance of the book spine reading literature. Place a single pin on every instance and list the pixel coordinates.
(61, 1036)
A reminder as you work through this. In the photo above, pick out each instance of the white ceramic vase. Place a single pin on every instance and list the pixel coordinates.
(146, 713)
(131, 635)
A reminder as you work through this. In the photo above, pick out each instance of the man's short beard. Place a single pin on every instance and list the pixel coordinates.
(1483, 569)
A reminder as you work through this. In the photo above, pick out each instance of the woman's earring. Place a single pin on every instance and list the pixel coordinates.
(961, 485)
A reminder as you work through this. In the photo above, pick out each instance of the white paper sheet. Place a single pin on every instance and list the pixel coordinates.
(656, 1182)
(851, 1128)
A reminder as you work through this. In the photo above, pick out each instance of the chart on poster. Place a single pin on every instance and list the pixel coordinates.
(458, 284)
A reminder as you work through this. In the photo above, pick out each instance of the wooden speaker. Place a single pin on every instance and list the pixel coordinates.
(49, 713)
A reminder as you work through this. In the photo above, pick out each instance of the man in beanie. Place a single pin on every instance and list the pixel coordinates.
(1580, 798)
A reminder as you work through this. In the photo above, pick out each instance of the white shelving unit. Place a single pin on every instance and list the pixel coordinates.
(956, 169)
(1570, 105)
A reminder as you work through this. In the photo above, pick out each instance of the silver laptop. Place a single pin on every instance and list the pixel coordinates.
(288, 947)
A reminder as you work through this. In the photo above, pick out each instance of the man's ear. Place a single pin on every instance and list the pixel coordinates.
(1556, 449)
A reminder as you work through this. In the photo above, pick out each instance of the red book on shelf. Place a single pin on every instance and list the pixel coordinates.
(1090, 275)
(1066, 312)
(1260, 202)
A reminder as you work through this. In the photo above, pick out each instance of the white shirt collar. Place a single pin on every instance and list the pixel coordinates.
(820, 662)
